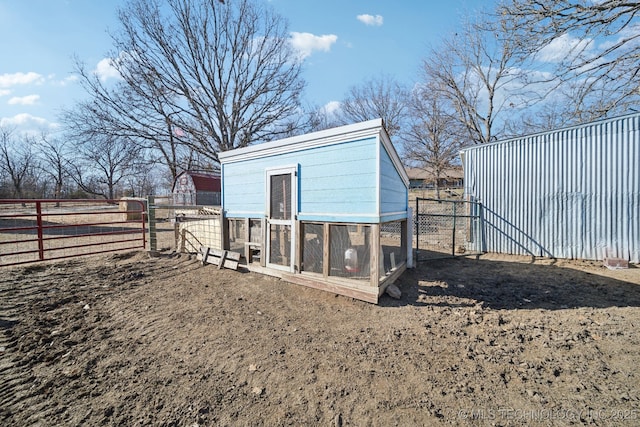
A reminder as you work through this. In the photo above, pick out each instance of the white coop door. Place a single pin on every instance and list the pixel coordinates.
(281, 215)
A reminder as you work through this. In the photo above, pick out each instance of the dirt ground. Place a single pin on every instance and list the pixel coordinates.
(129, 339)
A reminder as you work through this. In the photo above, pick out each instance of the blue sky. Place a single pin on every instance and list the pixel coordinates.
(345, 43)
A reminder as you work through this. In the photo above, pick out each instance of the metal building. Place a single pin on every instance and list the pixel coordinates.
(569, 193)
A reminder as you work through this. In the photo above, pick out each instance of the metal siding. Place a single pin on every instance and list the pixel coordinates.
(571, 193)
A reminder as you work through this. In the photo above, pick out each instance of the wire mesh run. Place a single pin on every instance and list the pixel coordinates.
(245, 237)
(393, 246)
(280, 197)
(312, 247)
(280, 244)
(237, 235)
(349, 251)
(446, 228)
(193, 233)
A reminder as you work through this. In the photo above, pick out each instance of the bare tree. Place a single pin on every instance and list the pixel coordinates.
(101, 160)
(221, 74)
(141, 183)
(433, 135)
(138, 111)
(54, 155)
(593, 45)
(381, 97)
(476, 71)
(103, 164)
(317, 118)
(17, 161)
(552, 112)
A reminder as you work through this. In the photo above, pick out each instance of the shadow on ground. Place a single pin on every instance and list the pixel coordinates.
(469, 281)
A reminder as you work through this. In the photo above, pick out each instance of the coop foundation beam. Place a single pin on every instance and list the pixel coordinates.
(364, 293)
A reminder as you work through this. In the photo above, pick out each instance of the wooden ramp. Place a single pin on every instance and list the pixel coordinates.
(226, 259)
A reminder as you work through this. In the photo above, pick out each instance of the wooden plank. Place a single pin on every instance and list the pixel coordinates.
(205, 255)
(364, 294)
(248, 248)
(227, 259)
(326, 268)
(375, 249)
(222, 259)
(215, 253)
(231, 265)
(391, 278)
(264, 237)
(224, 230)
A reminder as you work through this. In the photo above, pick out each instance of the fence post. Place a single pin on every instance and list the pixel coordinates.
(483, 241)
(408, 229)
(417, 226)
(453, 238)
(40, 234)
(151, 214)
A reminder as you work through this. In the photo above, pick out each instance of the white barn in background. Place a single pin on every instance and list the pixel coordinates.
(569, 193)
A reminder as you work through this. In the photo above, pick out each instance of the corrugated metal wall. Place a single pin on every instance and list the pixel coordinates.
(571, 193)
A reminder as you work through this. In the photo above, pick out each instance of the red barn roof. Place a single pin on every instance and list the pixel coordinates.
(202, 181)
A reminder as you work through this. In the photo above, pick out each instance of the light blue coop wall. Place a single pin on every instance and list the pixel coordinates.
(393, 191)
(336, 183)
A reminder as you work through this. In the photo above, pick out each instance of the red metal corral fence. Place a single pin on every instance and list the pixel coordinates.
(39, 230)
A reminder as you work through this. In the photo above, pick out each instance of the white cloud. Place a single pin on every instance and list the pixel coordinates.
(564, 47)
(105, 70)
(24, 100)
(307, 43)
(26, 120)
(9, 80)
(331, 107)
(627, 36)
(367, 19)
(64, 82)
(4, 92)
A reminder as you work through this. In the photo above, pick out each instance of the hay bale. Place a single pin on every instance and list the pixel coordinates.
(126, 204)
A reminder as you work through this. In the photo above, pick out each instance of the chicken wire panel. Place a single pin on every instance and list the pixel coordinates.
(349, 251)
(393, 246)
(312, 247)
(280, 244)
(255, 230)
(197, 232)
(237, 235)
(446, 228)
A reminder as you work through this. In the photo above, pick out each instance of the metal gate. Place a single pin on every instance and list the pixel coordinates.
(447, 228)
(41, 230)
